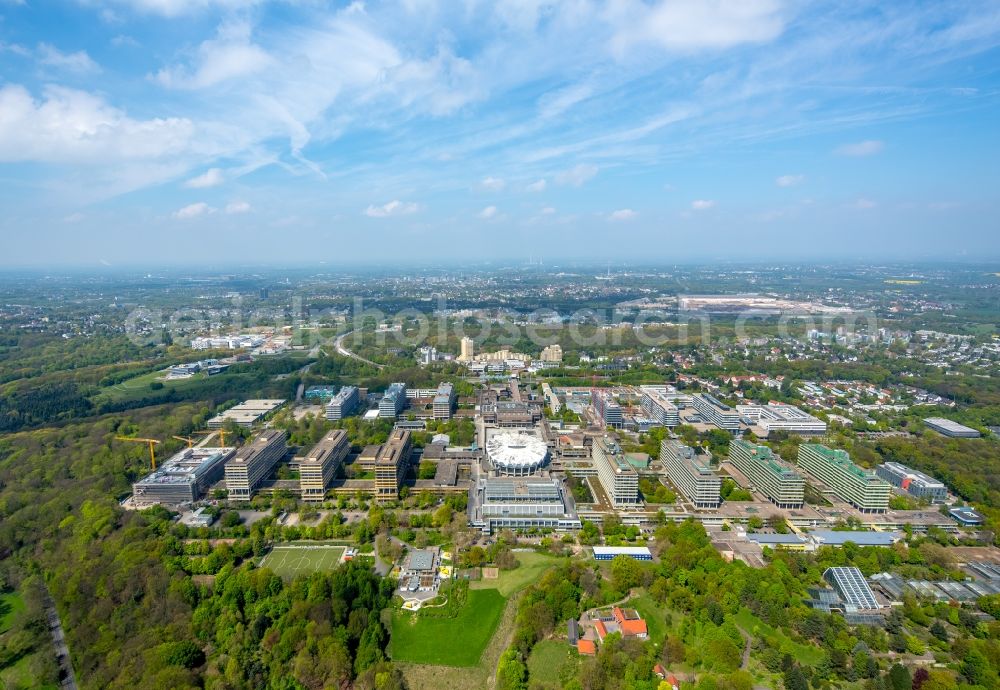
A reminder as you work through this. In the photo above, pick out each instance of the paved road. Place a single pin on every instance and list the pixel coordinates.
(59, 642)
(339, 344)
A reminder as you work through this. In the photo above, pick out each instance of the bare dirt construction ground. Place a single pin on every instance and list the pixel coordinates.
(964, 554)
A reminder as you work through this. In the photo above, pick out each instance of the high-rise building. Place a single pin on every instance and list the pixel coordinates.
(913, 482)
(253, 463)
(656, 405)
(343, 403)
(444, 400)
(551, 353)
(618, 478)
(320, 465)
(691, 474)
(779, 483)
(609, 411)
(716, 412)
(391, 464)
(468, 350)
(393, 402)
(834, 467)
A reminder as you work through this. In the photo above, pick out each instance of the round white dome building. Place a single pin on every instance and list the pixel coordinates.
(516, 454)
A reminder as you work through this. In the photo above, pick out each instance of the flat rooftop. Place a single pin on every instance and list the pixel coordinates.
(947, 425)
(185, 466)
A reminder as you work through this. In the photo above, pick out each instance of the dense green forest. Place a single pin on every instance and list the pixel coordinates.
(706, 609)
(136, 613)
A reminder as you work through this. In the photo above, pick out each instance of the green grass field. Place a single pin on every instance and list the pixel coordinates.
(654, 615)
(547, 660)
(531, 567)
(10, 604)
(457, 641)
(289, 561)
(138, 387)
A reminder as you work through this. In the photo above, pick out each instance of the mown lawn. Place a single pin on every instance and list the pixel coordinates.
(10, 604)
(654, 615)
(457, 641)
(138, 387)
(547, 659)
(531, 567)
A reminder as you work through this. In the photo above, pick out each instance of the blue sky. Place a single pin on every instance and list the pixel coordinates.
(168, 131)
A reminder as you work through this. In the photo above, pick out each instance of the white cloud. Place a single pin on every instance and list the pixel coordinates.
(862, 148)
(229, 55)
(124, 41)
(538, 186)
(622, 214)
(210, 178)
(193, 211)
(176, 8)
(439, 85)
(789, 180)
(488, 212)
(493, 184)
(577, 175)
(557, 102)
(71, 126)
(392, 208)
(236, 207)
(14, 48)
(689, 25)
(78, 62)
(73, 217)
(702, 204)
(548, 211)
(865, 204)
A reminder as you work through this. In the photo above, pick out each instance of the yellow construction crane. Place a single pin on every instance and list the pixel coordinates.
(189, 441)
(221, 432)
(151, 441)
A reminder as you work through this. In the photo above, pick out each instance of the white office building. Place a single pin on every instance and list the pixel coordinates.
(320, 465)
(913, 482)
(444, 401)
(781, 418)
(393, 402)
(780, 484)
(618, 478)
(716, 412)
(343, 403)
(691, 474)
(253, 463)
(658, 407)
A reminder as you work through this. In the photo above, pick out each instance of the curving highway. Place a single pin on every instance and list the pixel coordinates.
(339, 345)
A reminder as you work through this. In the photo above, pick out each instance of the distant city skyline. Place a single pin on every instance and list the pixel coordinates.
(219, 132)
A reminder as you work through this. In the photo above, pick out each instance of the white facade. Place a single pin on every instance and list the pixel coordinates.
(656, 405)
(695, 479)
(782, 418)
(619, 479)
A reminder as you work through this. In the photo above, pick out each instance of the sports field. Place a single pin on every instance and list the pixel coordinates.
(289, 561)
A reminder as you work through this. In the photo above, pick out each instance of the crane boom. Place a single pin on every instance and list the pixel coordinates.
(151, 441)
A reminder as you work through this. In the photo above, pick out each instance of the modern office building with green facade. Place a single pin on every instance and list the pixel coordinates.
(768, 475)
(861, 488)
